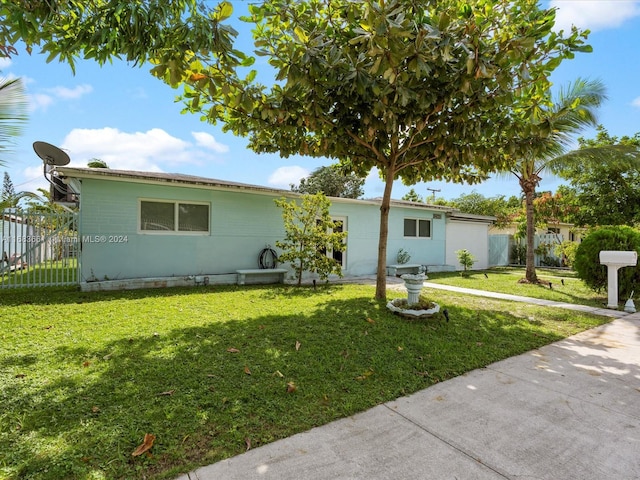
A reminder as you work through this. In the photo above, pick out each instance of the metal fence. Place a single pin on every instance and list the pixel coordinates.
(39, 249)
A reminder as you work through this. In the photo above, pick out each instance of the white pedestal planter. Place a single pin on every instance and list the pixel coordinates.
(413, 284)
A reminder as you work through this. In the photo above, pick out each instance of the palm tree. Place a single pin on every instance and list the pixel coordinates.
(538, 149)
(13, 112)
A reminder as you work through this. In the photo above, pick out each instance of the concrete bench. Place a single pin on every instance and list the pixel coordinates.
(394, 270)
(279, 272)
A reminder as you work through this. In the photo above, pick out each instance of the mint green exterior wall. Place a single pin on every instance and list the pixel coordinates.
(242, 223)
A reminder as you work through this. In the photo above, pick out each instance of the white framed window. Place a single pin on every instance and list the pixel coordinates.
(417, 228)
(165, 216)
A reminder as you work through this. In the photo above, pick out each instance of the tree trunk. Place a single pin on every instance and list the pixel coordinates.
(381, 275)
(530, 271)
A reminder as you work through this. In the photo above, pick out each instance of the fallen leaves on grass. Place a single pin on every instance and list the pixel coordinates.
(291, 387)
(233, 350)
(166, 394)
(145, 446)
(247, 442)
(370, 320)
(298, 345)
(365, 375)
(246, 370)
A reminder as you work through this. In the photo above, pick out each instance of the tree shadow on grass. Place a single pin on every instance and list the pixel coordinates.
(71, 295)
(214, 386)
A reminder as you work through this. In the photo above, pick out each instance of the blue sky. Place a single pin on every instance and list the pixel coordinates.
(124, 116)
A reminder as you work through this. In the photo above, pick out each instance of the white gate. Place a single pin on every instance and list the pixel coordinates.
(39, 249)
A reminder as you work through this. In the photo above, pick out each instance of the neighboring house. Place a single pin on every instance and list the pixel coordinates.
(181, 229)
(564, 231)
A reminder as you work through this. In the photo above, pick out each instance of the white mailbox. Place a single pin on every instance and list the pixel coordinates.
(615, 260)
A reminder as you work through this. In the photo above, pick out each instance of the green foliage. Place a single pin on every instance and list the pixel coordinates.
(403, 256)
(8, 190)
(604, 178)
(466, 259)
(420, 90)
(331, 181)
(309, 235)
(412, 196)
(97, 163)
(137, 31)
(518, 253)
(587, 259)
(539, 139)
(179, 37)
(505, 210)
(9, 198)
(567, 251)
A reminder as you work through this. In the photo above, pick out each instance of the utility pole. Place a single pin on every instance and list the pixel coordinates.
(433, 190)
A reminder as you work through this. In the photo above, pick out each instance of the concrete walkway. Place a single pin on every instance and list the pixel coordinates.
(569, 410)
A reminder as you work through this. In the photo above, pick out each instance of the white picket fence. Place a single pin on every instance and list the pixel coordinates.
(501, 250)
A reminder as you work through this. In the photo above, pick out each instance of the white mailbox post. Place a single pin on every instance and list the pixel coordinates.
(615, 260)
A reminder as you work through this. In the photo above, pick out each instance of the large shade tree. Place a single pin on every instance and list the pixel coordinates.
(542, 138)
(167, 33)
(331, 181)
(417, 89)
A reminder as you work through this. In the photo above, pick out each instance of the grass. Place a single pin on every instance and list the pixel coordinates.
(51, 272)
(566, 287)
(216, 370)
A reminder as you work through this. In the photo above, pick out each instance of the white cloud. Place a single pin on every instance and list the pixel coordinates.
(207, 140)
(285, 176)
(593, 14)
(636, 102)
(70, 93)
(149, 151)
(5, 63)
(39, 101)
(48, 96)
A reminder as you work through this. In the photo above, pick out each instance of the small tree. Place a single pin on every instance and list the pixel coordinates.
(412, 196)
(466, 259)
(309, 235)
(8, 190)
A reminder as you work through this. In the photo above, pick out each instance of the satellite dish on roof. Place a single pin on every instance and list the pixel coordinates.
(50, 154)
(53, 156)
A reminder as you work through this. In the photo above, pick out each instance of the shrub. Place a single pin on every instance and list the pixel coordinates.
(466, 259)
(518, 254)
(567, 251)
(587, 259)
(403, 256)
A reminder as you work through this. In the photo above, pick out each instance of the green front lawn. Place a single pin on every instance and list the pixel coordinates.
(216, 370)
(505, 280)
